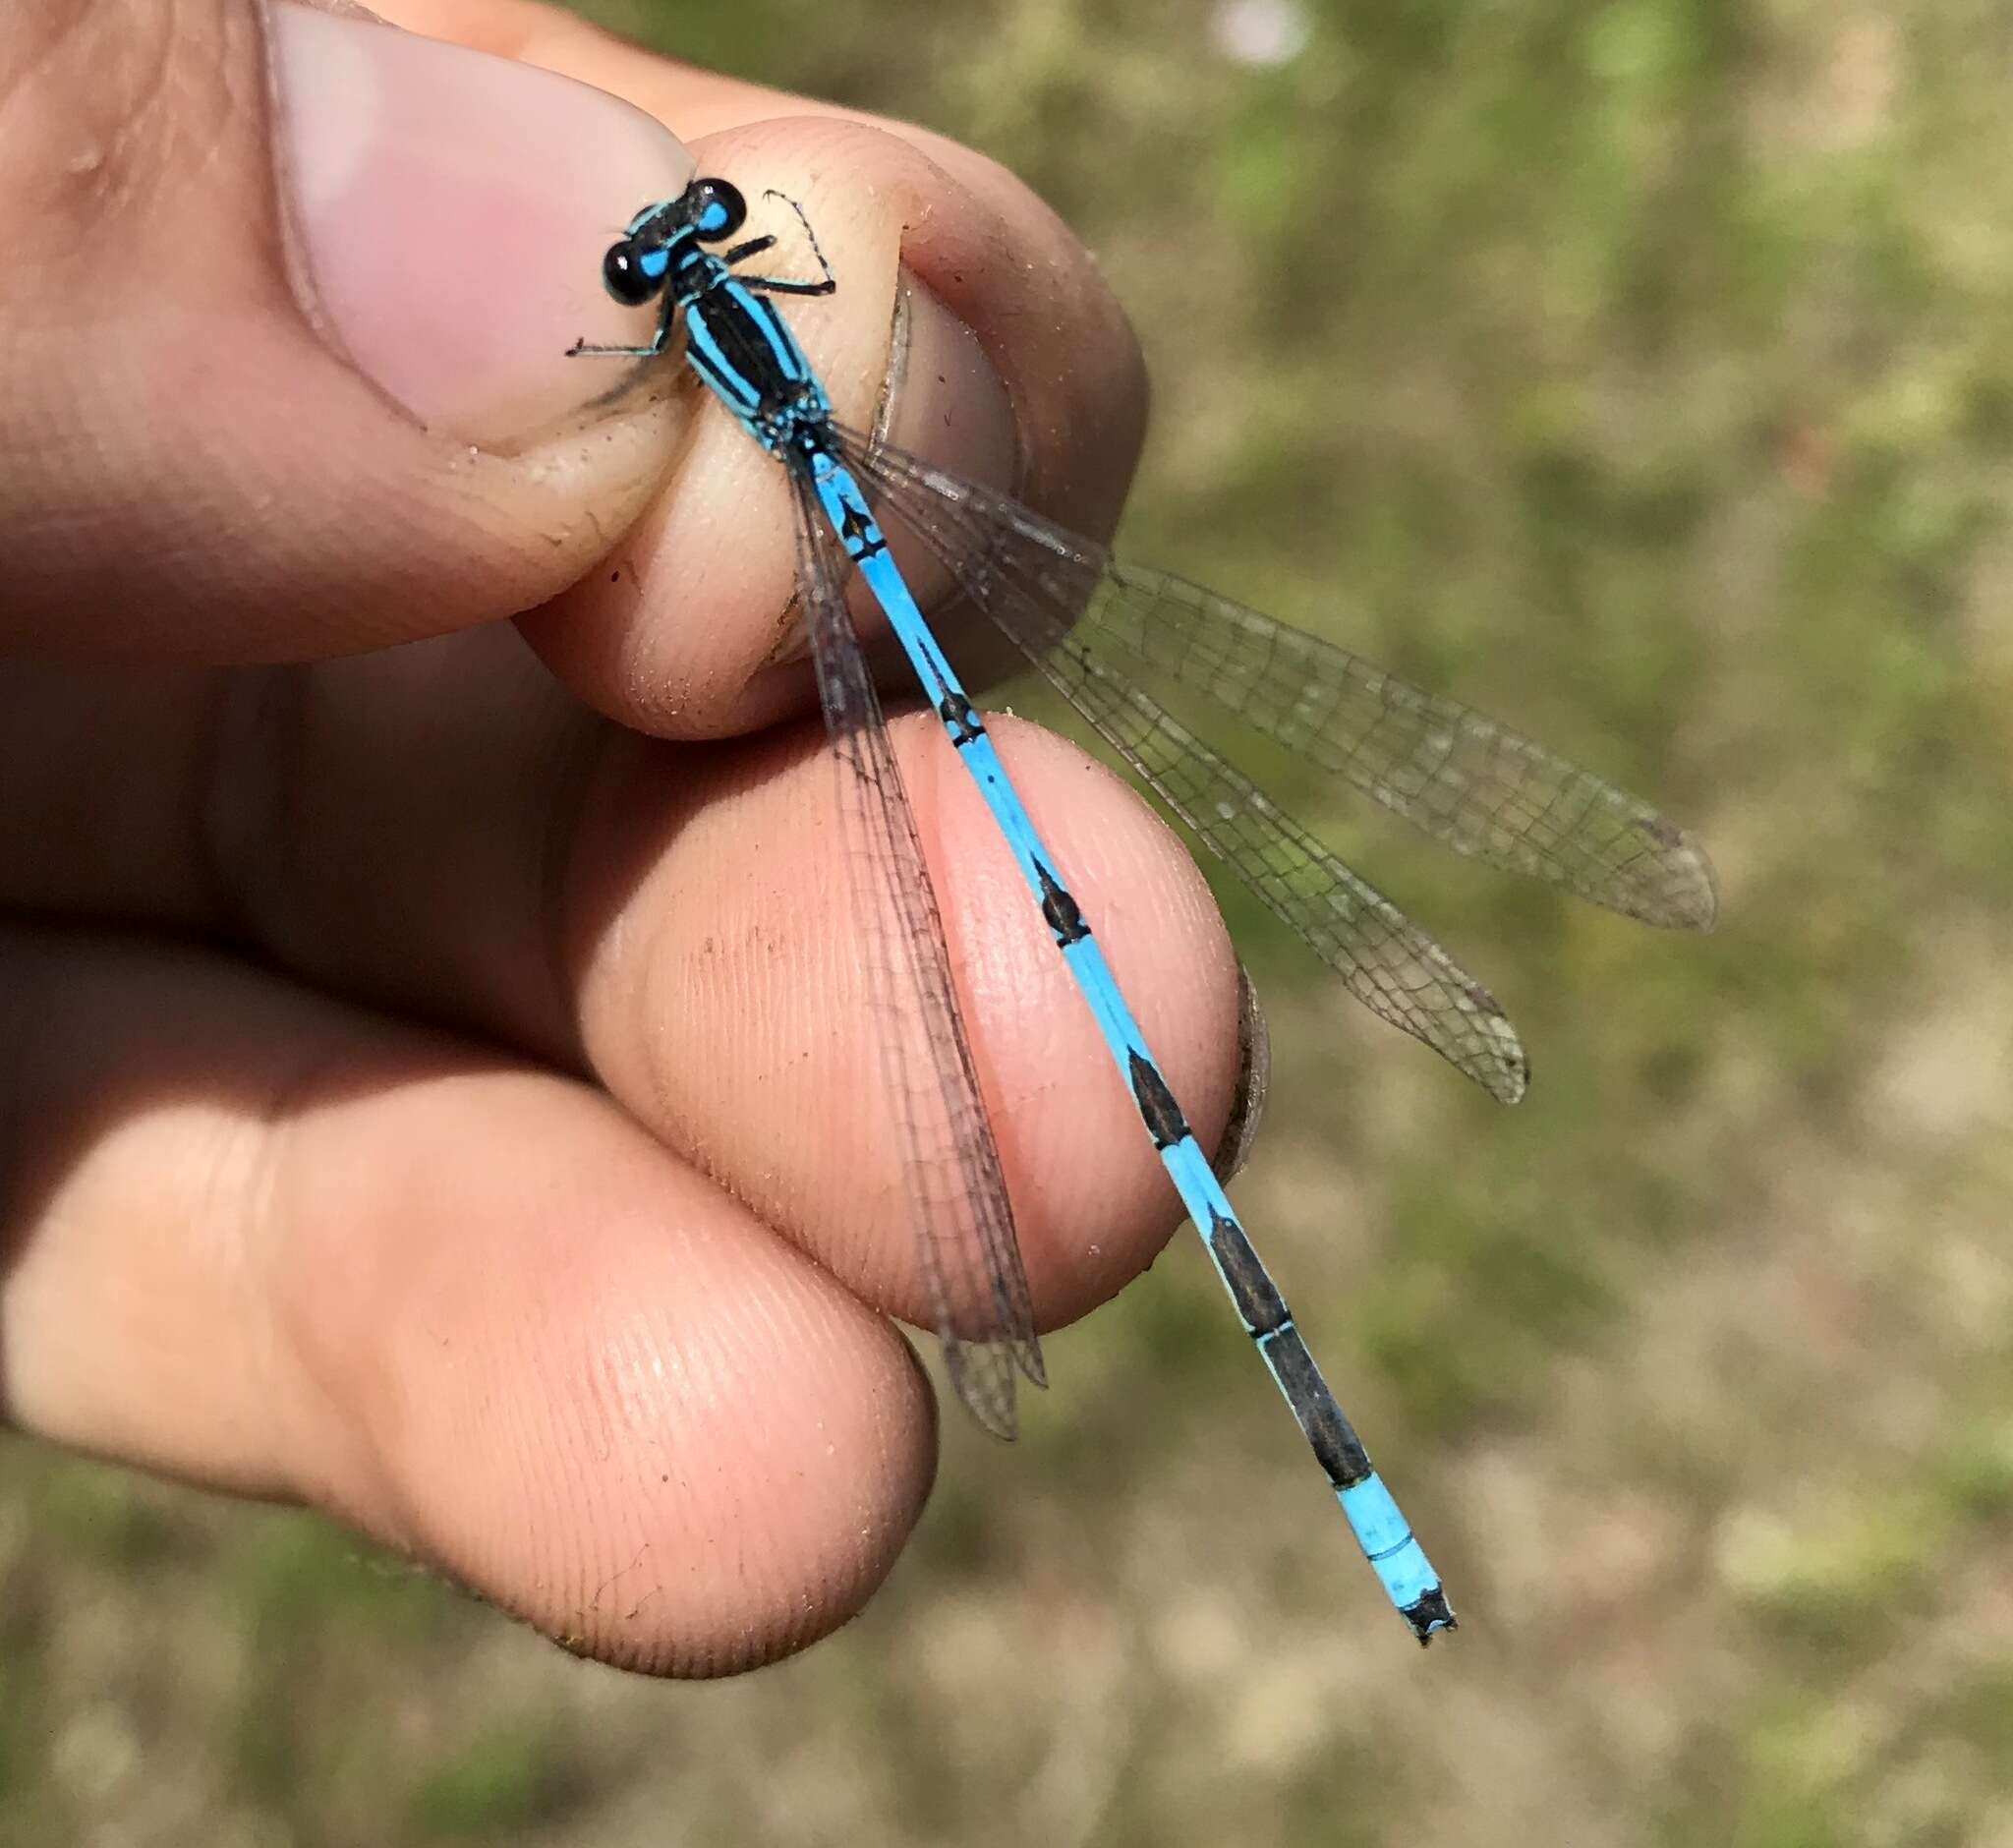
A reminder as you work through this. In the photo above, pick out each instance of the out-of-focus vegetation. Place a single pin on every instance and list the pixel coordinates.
(1641, 372)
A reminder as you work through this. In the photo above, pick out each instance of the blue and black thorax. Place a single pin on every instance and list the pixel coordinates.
(735, 337)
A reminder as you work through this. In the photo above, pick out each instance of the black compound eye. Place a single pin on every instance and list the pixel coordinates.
(626, 275)
(717, 209)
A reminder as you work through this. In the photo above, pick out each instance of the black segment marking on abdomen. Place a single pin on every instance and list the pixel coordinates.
(960, 719)
(862, 538)
(1332, 1438)
(1157, 1107)
(1065, 919)
(1251, 1288)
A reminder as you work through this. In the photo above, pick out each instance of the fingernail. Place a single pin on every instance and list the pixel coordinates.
(1254, 1082)
(943, 399)
(447, 211)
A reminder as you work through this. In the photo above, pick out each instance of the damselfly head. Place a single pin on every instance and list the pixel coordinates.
(635, 266)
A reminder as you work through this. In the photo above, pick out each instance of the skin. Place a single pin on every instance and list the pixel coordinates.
(436, 1078)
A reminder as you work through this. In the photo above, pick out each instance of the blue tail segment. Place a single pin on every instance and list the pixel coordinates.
(1091, 625)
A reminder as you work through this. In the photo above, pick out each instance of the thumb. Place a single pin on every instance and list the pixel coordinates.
(286, 301)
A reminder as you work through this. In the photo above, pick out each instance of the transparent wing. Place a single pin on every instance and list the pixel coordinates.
(1382, 957)
(1385, 959)
(957, 1196)
(1476, 784)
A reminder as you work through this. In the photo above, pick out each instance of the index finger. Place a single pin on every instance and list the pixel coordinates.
(969, 323)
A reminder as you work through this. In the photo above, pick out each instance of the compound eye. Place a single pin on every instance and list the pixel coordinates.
(717, 209)
(625, 276)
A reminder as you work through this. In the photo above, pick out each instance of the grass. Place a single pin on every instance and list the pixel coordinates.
(1639, 371)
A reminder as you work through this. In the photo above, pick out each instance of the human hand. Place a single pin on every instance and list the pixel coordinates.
(432, 1066)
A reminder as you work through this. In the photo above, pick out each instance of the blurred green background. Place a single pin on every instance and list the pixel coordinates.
(1641, 372)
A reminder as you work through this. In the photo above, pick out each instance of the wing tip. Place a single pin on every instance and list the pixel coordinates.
(1685, 894)
(1503, 1067)
(1514, 1082)
(982, 1375)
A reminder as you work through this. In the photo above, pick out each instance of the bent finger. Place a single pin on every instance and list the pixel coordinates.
(968, 325)
(440, 830)
(275, 1244)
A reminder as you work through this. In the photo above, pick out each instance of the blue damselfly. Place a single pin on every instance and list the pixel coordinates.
(1098, 629)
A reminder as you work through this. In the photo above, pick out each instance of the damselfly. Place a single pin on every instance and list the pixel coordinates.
(1095, 628)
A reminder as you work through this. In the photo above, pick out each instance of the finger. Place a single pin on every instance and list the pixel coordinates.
(968, 325)
(692, 630)
(287, 296)
(721, 989)
(440, 830)
(971, 234)
(270, 1242)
